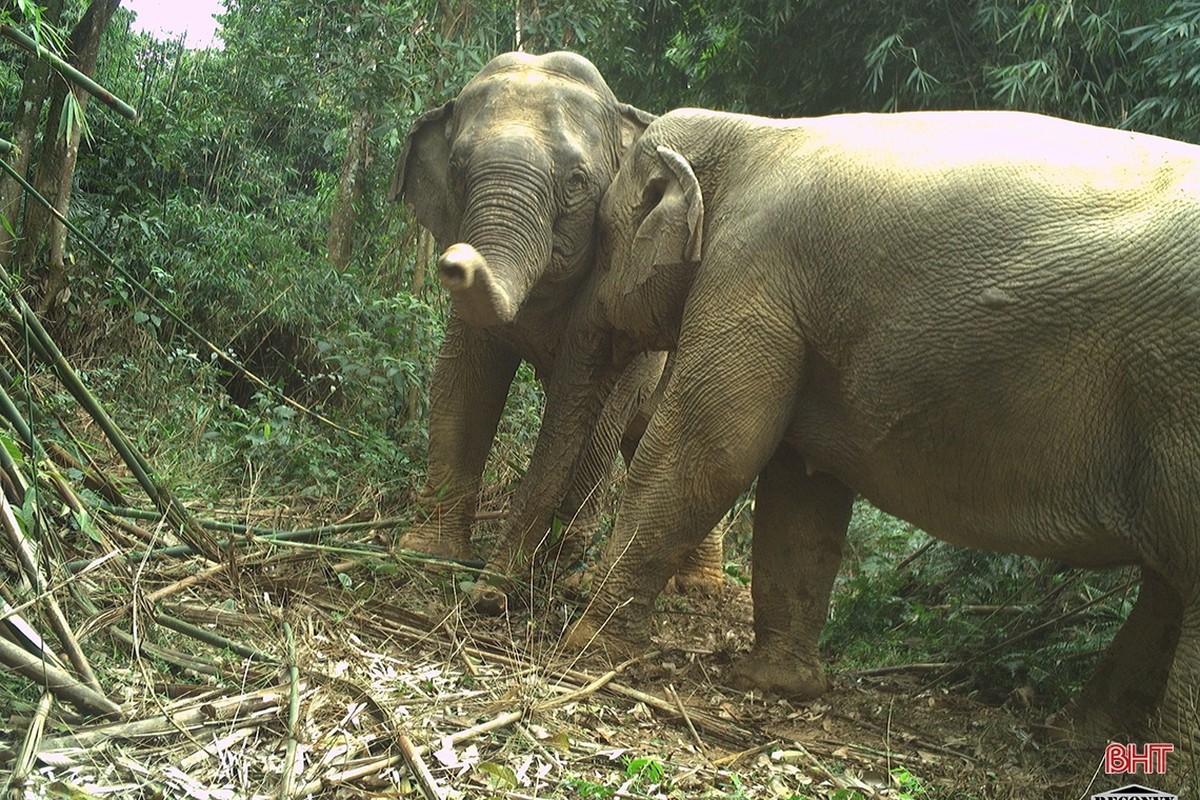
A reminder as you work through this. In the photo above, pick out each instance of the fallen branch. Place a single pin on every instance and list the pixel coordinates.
(1061, 619)
(688, 720)
(875, 672)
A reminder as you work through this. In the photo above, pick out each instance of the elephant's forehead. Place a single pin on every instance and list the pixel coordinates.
(541, 100)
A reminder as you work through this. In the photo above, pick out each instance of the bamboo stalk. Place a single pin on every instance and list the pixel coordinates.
(266, 534)
(163, 500)
(27, 755)
(9, 410)
(688, 719)
(420, 770)
(287, 786)
(215, 639)
(210, 713)
(354, 774)
(172, 657)
(58, 621)
(61, 684)
(70, 72)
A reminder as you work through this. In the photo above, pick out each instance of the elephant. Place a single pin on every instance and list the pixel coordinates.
(507, 177)
(986, 323)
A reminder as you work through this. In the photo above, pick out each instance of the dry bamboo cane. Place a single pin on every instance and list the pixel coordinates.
(25, 556)
(59, 683)
(29, 747)
(287, 787)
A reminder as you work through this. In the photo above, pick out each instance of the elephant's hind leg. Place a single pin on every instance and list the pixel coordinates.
(1130, 679)
(1178, 720)
(1169, 502)
(799, 526)
(704, 570)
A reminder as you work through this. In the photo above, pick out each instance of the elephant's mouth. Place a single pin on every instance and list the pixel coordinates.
(480, 297)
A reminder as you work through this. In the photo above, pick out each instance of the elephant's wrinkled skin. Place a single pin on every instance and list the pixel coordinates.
(988, 323)
(507, 177)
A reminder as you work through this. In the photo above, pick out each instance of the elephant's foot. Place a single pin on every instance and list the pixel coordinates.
(609, 636)
(704, 571)
(434, 538)
(488, 600)
(791, 679)
(1130, 680)
(703, 580)
(569, 550)
(1079, 726)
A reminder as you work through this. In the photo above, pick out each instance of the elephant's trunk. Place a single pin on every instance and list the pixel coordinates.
(505, 243)
(480, 297)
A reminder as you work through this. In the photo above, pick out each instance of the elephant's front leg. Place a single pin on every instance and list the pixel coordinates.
(799, 526)
(578, 510)
(470, 385)
(715, 429)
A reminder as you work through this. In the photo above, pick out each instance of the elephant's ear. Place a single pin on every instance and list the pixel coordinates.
(420, 176)
(672, 233)
(633, 122)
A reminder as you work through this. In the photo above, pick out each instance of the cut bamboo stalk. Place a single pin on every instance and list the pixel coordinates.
(211, 713)
(58, 621)
(27, 755)
(420, 770)
(287, 786)
(61, 684)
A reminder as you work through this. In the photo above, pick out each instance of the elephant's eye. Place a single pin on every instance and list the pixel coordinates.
(455, 168)
(577, 181)
(652, 195)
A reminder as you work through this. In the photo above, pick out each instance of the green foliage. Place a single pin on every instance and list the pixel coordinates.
(1114, 62)
(1168, 47)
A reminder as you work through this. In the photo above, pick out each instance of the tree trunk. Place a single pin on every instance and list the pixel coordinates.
(56, 165)
(29, 110)
(347, 202)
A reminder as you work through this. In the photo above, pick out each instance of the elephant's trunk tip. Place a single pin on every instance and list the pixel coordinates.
(479, 298)
(458, 266)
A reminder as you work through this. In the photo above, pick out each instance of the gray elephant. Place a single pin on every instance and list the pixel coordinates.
(507, 177)
(987, 323)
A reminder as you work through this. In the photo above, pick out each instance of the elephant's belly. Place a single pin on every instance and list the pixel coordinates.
(1044, 532)
(992, 501)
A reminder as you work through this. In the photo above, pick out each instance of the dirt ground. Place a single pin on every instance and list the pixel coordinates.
(327, 671)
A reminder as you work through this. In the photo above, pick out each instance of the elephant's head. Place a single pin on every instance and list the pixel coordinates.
(651, 228)
(508, 176)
